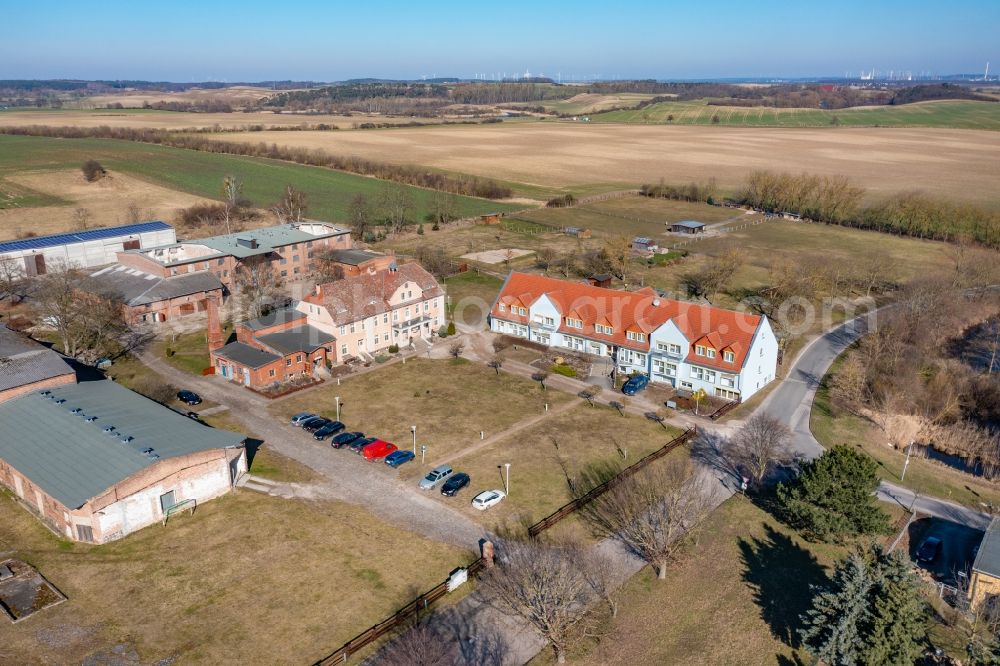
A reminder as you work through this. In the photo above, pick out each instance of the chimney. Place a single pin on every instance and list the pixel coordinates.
(215, 339)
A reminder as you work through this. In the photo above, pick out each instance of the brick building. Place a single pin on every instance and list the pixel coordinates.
(149, 298)
(27, 366)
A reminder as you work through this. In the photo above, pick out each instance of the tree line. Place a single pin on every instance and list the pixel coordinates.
(410, 175)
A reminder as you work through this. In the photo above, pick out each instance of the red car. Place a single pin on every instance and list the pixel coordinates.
(377, 449)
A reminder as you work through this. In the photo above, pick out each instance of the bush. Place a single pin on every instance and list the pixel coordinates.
(564, 370)
(381, 358)
(561, 202)
(443, 332)
(451, 328)
(93, 171)
(393, 349)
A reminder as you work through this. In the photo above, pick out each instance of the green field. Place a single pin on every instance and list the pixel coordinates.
(955, 114)
(329, 192)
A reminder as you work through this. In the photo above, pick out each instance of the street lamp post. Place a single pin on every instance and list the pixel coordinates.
(506, 483)
(423, 453)
(906, 463)
(413, 429)
(338, 407)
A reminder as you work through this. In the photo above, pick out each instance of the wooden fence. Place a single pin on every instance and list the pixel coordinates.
(725, 409)
(594, 493)
(397, 619)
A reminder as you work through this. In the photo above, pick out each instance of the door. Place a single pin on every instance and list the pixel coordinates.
(166, 501)
(246, 377)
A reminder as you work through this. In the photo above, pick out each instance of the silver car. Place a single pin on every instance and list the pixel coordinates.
(435, 476)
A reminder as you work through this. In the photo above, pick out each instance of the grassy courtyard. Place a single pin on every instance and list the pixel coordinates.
(247, 579)
(450, 401)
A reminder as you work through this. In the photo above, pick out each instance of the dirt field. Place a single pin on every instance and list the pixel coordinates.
(954, 163)
(497, 256)
(107, 201)
(136, 98)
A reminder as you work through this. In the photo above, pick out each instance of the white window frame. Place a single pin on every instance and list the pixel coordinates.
(710, 353)
(729, 357)
(503, 308)
(699, 350)
(636, 336)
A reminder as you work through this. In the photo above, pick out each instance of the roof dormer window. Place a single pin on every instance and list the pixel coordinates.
(710, 353)
(699, 350)
(636, 336)
(728, 356)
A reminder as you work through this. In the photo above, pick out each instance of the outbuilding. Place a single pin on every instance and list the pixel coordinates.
(687, 227)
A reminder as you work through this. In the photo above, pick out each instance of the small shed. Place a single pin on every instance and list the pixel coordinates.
(644, 245)
(687, 227)
(490, 218)
(577, 232)
(600, 280)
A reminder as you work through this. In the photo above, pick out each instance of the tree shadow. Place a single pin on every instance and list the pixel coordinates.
(794, 660)
(781, 574)
(710, 450)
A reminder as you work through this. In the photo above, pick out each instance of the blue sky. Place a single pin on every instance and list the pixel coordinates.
(251, 40)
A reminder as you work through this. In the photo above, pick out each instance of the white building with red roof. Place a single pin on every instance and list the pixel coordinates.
(687, 345)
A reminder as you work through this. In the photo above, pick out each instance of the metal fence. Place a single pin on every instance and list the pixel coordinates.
(594, 493)
(397, 619)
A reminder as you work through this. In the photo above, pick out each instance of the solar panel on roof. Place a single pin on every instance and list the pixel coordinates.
(82, 236)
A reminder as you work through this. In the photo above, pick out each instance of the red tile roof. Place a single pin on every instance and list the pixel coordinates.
(640, 311)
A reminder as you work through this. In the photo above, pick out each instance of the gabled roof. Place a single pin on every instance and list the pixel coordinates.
(298, 339)
(642, 310)
(82, 236)
(279, 316)
(243, 354)
(74, 460)
(359, 296)
(136, 287)
(24, 361)
(988, 557)
(690, 224)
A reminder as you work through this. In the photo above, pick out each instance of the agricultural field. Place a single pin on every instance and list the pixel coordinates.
(586, 103)
(955, 164)
(954, 114)
(200, 589)
(163, 178)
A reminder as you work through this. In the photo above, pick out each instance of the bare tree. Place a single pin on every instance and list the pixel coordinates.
(420, 644)
(359, 214)
(133, 213)
(81, 218)
(292, 206)
(259, 286)
(497, 361)
(326, 267)
(540, 377)
(650, 511)
(13, 282)
(232, 198)
(619, 255)
(397, 206)
(456, 349)
(543, 584)
(758, 443)
(605, 577)
(56, 303)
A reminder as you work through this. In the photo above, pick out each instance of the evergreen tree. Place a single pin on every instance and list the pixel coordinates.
(833, 497)
(832, 629)
(897, 626)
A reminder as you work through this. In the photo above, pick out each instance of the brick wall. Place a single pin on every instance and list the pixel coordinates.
(60, 380)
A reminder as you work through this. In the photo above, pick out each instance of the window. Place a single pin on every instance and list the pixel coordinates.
(663, 368)
(522, 311)
(710, 376)
(385, 318)
(606, 330)
(727, 380)
(639, 359)
(385, 337)
(309, 254)
(761, 351)
(283, 261)
(295, 270)
(544, 338)
(270, 373)
(352, 327)
(298, 358)
(295, 246)
(343, 350)
(687, 385)
(729, 356)
(574, 323)
(284, 273)
(427, 306)
(710, 352)
(221, 261)
(697, 373)
(288, 361)
(635, 335)
(503, 308)
(225, 273)
(295, 257)
(699, 350)
(406, 313)
(549, 321)
(343, 330)
(726, 393)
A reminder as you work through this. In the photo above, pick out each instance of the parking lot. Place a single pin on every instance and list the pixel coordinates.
(958, 547)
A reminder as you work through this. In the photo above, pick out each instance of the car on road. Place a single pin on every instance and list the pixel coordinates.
(302, 417)
(345, 438)
(454, 484)
(436, 476)
(312, 425)
(377, 449)
(360, 443)
(189, 397)
(331, 428)
(929, 549)
(635, 384)
(487, 498)
(397, 458)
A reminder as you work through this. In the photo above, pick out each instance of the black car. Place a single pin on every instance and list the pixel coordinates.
(315, 424)
(189, 397)
(929, 549)
(345, 438)
(316, 419)
(360, 443)
(454, 484)
(331, 428)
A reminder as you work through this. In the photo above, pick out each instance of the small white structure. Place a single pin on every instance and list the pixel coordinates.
(83, 249)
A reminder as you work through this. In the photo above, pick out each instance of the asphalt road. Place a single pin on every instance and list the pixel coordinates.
(958, 544)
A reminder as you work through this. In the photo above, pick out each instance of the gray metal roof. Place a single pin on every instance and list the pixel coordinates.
(690, 224)
(56, 240)
(279, 316)
(244, 354)
(240, 244)
(24, 361)
(988, 557)
(73, 460)
(299, 339)
(135, 287)
(354, 257)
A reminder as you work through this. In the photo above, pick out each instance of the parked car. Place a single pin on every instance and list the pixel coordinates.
(302, 417)
(487, 498)
(360, 443)
(189, 397)
(331, 428)
(377, 449)
(312, 425)
(635, 384)
(436, 476)
(308, 422)
(345, 438)
(929, 549)
(454, 484)
(397, 458)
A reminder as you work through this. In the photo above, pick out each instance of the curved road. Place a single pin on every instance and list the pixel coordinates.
(791, 402)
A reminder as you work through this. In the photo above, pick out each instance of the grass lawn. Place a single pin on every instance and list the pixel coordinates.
(246, 579)
(190, 350)
(263, 461)
(329, 192)
(831, 425)
(959, 114)
(734, 598)
(545, 456)
(450, 401)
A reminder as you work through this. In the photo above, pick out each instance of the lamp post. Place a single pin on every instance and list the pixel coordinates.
(413, 429)
(506, 483)
(337, 398)
(423, 453)
(906, 462)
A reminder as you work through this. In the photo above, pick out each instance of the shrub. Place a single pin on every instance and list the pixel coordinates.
(561, 202)
(451, 328)
(393, 349)
(381, 358)
(564, 370)
(443, 332)
(93, 171)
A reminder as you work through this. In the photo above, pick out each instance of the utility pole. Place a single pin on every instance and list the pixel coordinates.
(906, 463)
(413, 429)
(506, 484)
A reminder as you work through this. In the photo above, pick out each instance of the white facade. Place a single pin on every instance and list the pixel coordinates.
(32, 256)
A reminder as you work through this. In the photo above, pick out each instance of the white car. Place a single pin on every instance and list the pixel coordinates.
(488, 498)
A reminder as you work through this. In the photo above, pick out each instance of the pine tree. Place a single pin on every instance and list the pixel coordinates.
(833, 497)
(897, 627)
(832, 629)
